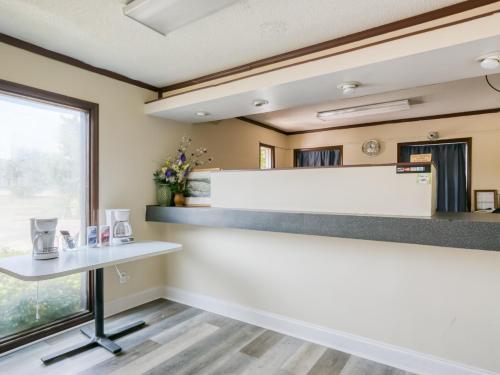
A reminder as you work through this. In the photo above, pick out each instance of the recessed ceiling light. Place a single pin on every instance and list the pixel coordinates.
(202, 114)
(260, 102)
(490, 61)
(348, 87)
(364, 110)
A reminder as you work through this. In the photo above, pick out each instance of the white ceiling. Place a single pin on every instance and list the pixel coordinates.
(97, 32)
(448, 64)
(465, 95)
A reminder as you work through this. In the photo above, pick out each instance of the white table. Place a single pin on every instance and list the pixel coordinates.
(83, 259)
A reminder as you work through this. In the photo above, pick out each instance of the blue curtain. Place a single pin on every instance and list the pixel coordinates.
(318, 158)
(451, 164)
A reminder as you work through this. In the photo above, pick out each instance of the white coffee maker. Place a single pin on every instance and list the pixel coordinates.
(118, 221)
(43, 234)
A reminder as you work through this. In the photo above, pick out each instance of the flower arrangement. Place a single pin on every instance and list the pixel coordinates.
(174, 170)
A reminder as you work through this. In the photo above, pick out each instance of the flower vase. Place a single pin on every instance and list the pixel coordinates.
(179, 199)
(163, 195)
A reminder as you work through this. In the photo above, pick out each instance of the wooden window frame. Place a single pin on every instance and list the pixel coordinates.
(91, 211)
(273, 154)
(329, 148)
(468, 141)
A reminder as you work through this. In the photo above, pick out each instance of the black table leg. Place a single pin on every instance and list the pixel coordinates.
(97, 337)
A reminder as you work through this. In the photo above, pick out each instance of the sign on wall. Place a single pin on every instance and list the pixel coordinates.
(421, 158)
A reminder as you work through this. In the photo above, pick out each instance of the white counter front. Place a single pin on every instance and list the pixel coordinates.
(363, 190)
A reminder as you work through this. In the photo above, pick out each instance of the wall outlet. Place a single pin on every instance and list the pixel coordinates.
(123, 277)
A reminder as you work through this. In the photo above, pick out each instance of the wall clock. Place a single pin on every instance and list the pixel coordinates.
(371, 147)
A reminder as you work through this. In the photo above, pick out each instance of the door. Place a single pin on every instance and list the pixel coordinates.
(452, 159)
(318, 157)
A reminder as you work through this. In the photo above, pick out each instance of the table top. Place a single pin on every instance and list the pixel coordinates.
(82, 259)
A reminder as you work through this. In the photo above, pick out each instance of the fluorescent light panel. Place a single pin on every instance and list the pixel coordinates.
(165, 16)
(364, 110)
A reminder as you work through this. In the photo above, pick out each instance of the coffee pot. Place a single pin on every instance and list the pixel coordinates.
(118, 220)
(43, 234)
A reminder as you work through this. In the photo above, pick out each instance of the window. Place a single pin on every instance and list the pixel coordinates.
(46, 170)
(318, 157)
(266, 156)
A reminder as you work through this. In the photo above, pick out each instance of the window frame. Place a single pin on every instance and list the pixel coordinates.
(91, 210)
(273, 155)
(323, 148)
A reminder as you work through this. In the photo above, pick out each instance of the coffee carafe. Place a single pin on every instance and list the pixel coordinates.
(43, 235)
(118, 221)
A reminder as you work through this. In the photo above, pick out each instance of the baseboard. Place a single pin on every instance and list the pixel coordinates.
(391, 355)
(121, 304)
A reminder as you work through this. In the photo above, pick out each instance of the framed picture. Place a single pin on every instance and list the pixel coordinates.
(485, 199)
(198, 192)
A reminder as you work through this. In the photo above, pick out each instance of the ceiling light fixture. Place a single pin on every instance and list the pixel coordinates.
(202, 114)
(364, 110)
(165, 16)
(260, 102)
(490, 61)
(348, 88)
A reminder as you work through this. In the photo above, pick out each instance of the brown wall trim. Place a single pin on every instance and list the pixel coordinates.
(7, 39)
(451, 140)
(92, 208)
(393, 26)
(336, 53)
(377, 123)
(336, 147)
(262, 125)
(369, 33)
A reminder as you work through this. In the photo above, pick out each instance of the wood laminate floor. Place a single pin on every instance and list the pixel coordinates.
(181, 340)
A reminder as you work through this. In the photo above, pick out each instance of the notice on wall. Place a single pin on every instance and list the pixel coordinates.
(424, 178)
(421, 158)
(413, 169)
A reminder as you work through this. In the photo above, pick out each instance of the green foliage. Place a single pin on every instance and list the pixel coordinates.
(175, 169)
(58, 299)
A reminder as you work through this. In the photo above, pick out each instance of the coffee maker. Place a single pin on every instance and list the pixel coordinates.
(118, 221)
(43, 234)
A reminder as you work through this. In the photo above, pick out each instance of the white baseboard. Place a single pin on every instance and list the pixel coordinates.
(409, 360)
(391, 355)
(121, 304)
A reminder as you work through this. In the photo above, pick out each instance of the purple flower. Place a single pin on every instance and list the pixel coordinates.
(183, 158)
(168, 173)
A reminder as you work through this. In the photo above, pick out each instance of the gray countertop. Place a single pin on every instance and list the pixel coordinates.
(461, 230)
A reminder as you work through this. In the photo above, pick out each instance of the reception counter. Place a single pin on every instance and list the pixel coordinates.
(363, 202)
(372, 203)
(462, 230)
(389, 189)
(295, 251)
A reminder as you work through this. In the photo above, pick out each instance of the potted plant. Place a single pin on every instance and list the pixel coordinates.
(172, 175)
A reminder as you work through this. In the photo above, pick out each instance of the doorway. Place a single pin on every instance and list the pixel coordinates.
(318, 156)
(452, 158)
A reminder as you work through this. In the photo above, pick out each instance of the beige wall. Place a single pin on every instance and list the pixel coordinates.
(234, 144)
(130, 146)
(434, 300)
(484, 130)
